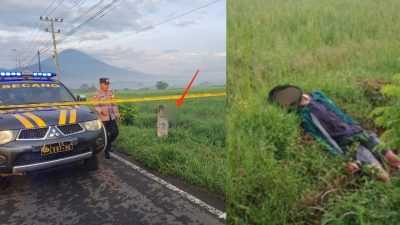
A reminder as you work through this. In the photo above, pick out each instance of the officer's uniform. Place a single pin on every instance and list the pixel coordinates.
(109, 121)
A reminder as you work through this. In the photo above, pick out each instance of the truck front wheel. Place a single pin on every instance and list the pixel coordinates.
(5, 182)
(91, 163)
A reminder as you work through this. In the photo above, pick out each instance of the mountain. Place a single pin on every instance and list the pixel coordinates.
(78, 68)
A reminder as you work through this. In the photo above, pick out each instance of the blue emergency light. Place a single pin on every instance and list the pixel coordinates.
(43, 74)
(19, 74)
(10, 74)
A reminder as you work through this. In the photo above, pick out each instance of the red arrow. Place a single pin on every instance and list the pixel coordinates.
(180, 101)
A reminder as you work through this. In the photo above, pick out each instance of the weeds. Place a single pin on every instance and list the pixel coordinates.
(349, 49)
(194, 150)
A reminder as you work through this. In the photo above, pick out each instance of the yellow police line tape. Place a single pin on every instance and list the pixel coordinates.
(122, 100)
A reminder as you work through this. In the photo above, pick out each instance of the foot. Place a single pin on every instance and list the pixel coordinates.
(107, 156)
(111, 149)
(352, 167)
(384, 176)
(392, 159)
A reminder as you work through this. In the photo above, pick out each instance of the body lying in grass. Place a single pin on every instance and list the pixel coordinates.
(328, 124)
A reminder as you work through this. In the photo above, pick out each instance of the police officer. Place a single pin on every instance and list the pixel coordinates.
(108, 113)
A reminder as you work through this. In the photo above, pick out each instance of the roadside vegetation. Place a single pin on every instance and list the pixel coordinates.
(194, 151)
(348, 49)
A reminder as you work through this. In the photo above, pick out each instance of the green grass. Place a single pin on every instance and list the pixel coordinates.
(346, 48)
(194, 151)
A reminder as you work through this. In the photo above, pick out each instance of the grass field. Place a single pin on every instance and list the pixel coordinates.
(346, 48)
(194, 151)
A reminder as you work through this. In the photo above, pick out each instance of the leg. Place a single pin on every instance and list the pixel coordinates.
(114, 131)
(107, 150)
(365, 156)
(392, 159)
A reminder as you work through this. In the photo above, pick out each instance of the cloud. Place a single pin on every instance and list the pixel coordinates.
(171, 51)
(162, 57)
(220, 54)
(93, 36)
(198, 53)
(182, 23)
(176, 47)
(117, 54)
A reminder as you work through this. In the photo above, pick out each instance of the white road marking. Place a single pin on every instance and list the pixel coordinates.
(219, 213)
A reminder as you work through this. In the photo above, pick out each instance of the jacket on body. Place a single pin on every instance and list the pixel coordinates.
(308, 124)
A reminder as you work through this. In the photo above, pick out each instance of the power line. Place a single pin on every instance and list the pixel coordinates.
(83, 24)
(49, 7)
(71, 32)
(30, 49)
(118, 3)
(35, 32)
(157, 24)
(67, 12)
(110, 9)
(55, 7)
(77, 4)
(107, 7)
(125, 36)
(87, 12)
(47, 41)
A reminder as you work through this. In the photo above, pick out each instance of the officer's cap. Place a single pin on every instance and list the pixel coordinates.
(104, 80)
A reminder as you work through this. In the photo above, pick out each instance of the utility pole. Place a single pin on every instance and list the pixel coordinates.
(55, 56)
(40, 66)
(19, 61)
(20, 64)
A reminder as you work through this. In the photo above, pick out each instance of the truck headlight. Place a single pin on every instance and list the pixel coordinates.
(6, 136)
(92, 125)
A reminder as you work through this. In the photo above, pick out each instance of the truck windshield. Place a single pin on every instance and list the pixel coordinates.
(30, 93)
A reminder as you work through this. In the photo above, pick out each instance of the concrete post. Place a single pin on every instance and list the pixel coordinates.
(162, 122)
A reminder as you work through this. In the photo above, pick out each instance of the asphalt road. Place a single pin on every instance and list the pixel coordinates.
(114, 194)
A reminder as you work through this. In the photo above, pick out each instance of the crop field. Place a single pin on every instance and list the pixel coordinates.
(348, 49)
(194, 151)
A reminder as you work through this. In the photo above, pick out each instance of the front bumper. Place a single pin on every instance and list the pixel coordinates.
(25, 155)
(51, 163)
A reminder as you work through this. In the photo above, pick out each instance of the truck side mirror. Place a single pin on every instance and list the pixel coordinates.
(81, 98)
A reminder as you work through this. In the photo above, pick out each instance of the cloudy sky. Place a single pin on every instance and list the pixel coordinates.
(179, 47)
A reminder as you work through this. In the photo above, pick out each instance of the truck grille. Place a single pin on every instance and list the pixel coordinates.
(70, 129)
(29, 134)
(27, 158)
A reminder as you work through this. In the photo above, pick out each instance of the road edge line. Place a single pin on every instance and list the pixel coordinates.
(193, 199)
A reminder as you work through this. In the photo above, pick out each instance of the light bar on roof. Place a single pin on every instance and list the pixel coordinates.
(43, 74)
(10, 74)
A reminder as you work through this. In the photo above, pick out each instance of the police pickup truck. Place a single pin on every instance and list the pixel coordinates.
(38, 137)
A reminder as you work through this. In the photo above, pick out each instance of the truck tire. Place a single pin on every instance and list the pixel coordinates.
(91, 163)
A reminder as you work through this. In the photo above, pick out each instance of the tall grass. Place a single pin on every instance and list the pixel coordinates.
(194, 150)
(347, 49)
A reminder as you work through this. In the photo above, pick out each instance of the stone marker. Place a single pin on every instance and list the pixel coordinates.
(162, 122)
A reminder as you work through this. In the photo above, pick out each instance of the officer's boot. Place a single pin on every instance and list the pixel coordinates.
(107, 154)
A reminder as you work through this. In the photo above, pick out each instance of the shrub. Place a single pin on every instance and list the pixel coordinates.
(129, 113)
(389, 116)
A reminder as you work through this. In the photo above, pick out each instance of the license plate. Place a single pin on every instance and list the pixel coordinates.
(57, 148)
